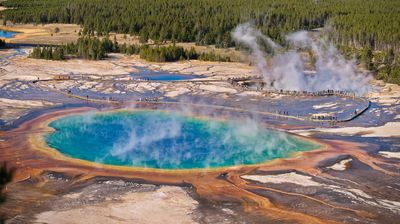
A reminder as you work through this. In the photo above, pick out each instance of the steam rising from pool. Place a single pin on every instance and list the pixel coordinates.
(168, 140)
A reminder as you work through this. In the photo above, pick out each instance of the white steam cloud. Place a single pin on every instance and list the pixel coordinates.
(155, 130)
(285, 70)
(141, 140)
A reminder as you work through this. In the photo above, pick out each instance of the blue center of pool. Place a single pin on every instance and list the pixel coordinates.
(168, 140)
(146, 74)
(6, 34)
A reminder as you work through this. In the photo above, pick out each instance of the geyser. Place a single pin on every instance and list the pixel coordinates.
(168, 140)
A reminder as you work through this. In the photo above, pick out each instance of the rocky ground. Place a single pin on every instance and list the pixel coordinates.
(351, 187)
(105, 200)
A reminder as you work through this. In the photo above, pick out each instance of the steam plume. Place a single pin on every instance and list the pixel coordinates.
(285, 70)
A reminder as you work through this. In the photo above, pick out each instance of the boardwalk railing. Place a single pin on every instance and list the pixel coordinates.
(285, 115)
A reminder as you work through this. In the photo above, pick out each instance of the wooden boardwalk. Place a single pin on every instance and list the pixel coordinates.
(270, 114)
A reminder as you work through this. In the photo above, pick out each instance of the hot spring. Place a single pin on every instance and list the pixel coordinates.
(168, 140)
(7, 34)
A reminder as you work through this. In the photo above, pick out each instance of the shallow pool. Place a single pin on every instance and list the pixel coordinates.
(168, 140)
(6, 34)
(146, 74)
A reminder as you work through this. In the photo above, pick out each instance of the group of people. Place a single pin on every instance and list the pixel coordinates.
(241, 82)
(313, 93)
(238, 79)
(153, 99)
(324, 117)
(286, 113)
(140, 79)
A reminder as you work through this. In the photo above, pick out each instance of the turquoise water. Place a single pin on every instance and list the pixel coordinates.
(167, 140)
(6, 34)
(147, 74)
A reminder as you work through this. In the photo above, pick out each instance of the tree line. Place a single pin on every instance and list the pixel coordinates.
(48, 53)
(174, 53)
(95, 48)
(355, 24)
(362, 23)
(385, 64)
(2, 44)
